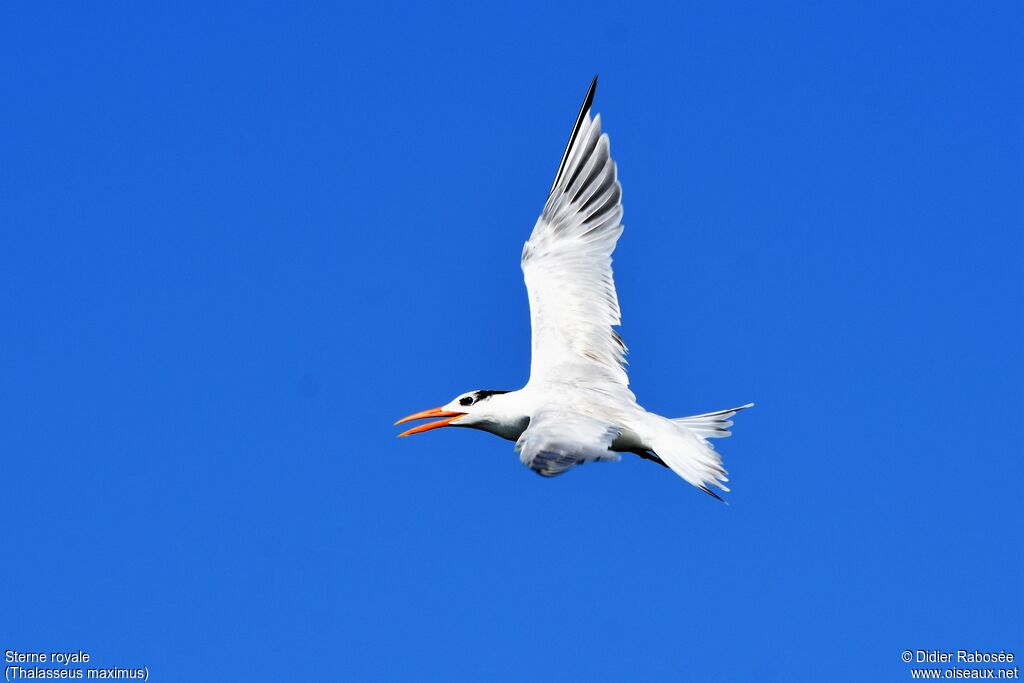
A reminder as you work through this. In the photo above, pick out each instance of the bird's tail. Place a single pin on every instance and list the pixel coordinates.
(683, 445)
(711, 425)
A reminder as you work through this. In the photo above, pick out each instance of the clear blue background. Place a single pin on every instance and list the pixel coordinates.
(238, 242)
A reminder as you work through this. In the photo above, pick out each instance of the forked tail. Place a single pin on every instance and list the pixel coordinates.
(711, 425)
(682, 444)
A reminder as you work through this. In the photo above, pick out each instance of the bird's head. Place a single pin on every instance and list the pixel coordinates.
(471, 409)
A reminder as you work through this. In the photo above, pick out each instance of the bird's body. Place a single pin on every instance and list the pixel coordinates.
(577, 406)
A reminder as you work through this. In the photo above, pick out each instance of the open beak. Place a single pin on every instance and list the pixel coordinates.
(422, 415)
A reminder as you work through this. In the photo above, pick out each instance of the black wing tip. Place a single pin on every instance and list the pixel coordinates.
(711, 493)
(648, 455)
(587, 102)
(589, 99)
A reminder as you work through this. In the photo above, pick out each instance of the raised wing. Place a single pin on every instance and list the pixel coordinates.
(567, 265)
(557, 440)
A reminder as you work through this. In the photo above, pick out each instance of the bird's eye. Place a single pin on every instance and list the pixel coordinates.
(467, 401)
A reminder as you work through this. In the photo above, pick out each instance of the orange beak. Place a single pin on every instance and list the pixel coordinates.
(433, 412)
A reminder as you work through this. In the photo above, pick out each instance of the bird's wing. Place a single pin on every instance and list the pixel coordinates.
(567, 265)
(558, 439)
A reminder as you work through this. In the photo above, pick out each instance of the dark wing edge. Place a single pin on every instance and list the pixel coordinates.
(587, 101)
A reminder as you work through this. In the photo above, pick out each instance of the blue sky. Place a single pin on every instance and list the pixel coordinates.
(237, 243)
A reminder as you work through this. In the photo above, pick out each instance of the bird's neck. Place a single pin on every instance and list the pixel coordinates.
(507, 415)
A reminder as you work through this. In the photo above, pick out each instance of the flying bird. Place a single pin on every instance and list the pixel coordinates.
(577, 406)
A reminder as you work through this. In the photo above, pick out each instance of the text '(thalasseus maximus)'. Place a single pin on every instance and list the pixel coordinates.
(577, 406)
